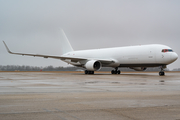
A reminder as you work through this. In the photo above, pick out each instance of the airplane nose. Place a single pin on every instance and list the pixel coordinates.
(174, 57)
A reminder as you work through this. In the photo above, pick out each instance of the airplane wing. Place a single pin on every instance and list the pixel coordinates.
(104, 61)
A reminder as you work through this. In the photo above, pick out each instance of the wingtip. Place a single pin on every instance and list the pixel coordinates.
(7, 47)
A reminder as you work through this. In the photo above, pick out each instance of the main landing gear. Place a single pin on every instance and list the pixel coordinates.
(161, 73)
(116, 71)
(88, 72)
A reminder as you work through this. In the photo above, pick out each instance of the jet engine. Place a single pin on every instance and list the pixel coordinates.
(93, 65)
(139, 68)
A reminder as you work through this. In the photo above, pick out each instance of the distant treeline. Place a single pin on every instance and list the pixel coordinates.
(51, 68)
(35, 68)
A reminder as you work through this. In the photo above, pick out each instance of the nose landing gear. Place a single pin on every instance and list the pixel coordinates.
(116, 71)
(161, 73)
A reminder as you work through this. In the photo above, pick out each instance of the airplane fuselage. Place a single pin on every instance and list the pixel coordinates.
(131, 56)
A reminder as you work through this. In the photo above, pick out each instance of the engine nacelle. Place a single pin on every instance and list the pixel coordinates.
(93, 65)
(139, 68)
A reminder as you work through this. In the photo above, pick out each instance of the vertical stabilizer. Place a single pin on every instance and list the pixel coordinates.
(65, 45)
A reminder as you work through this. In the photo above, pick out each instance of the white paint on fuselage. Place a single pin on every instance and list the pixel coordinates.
(142, 54)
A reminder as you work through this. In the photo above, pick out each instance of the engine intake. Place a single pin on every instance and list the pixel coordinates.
(93, 65)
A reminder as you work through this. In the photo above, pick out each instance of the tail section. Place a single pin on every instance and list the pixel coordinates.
(65, 45)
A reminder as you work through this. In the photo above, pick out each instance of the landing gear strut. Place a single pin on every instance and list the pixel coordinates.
(88, 72)
(116, 71)
(161, 73)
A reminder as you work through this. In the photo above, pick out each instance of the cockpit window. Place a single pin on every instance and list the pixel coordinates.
(167, 50)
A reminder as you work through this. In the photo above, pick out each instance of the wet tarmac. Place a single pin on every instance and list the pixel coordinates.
(75, 96)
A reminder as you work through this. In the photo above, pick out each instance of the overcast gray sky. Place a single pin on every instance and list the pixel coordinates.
(31, 26)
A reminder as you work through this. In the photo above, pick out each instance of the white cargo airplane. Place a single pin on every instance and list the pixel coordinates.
(135, 57)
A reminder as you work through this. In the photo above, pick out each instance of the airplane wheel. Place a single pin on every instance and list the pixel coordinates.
(118, 72)
(86, 72)
(115, 72)
(112, 71)
(161, 73)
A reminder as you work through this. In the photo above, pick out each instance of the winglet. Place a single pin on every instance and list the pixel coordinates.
(7, 47)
